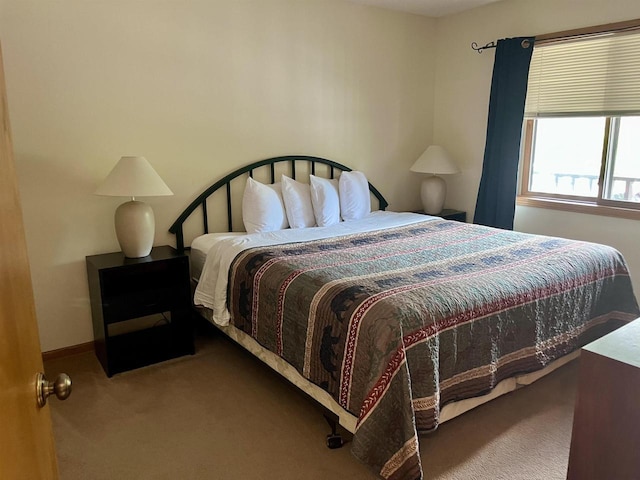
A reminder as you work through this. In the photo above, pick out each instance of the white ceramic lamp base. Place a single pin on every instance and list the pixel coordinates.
(135, 228)
(432, 192)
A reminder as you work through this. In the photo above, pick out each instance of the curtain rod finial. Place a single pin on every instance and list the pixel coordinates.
(478, 49)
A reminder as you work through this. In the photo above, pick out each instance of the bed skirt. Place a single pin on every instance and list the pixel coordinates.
(347, 420)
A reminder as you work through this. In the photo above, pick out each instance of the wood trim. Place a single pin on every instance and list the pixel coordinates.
(68, 351)
(585, 31)
(527, 160)
(572, 203)
(619, 204)
(578, 207)
(527, 154)
(604, 157)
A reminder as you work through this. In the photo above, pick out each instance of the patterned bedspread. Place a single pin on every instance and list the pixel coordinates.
(396, 323)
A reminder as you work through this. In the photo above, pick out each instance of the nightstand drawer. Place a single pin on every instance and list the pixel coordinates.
(142, 303)
(156, 276)
(130, 293)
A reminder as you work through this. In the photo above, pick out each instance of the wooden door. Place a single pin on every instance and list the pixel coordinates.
(26, 435)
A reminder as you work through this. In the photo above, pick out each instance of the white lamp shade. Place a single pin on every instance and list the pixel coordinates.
(133, 177)
(134, 221)
(435, 160)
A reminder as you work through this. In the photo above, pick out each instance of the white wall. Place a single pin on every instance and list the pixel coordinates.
(199, 88)
(463, 81)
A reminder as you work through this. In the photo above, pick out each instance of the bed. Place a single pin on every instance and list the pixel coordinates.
(396, 322)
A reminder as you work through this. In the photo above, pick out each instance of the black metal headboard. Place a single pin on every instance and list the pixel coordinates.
(201, 200)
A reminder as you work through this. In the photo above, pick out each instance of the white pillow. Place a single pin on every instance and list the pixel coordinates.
(297, 203)
(262, 207)
(325, 200)
(355, 201)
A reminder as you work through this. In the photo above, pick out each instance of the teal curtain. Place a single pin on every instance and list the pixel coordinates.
(496, 202)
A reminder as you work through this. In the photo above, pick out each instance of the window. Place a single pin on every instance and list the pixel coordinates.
(581, 134)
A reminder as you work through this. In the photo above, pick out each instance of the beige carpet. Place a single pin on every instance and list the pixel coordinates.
(221, 414)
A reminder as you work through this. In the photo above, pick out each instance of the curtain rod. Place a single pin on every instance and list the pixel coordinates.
(478, 49)
(629, 25)
(526, 43)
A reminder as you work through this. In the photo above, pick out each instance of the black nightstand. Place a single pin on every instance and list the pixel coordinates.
(152, 291)
(449, 214)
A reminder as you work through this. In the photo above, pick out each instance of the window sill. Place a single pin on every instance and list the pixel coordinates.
(578, 207)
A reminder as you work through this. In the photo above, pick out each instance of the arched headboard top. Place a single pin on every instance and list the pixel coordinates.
(201, 200)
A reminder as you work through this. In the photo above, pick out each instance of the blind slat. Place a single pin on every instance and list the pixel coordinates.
(592, 76)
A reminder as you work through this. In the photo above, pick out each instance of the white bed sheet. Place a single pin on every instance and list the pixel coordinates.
(201, 246)
(221, 249)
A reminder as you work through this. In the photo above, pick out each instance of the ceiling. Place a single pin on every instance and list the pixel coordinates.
(430, 8)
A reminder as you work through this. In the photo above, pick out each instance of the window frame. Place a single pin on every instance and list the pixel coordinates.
(578, 204)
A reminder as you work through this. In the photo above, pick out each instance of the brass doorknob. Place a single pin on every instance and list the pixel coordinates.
(61, 386)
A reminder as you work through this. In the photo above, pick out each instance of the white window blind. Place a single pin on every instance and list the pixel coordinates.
(589, 76)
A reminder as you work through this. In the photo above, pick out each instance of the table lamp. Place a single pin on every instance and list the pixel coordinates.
(436, 161)
(135, 226)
